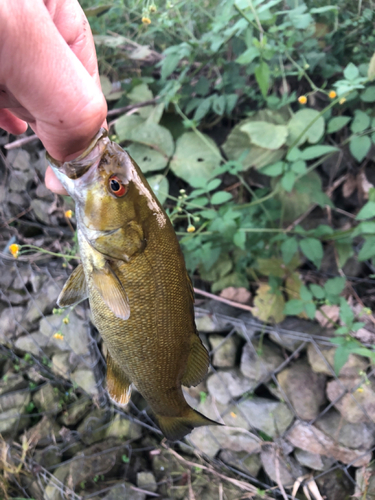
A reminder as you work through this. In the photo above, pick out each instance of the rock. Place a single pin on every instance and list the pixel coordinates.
(94, 426)
(365, 482)
(12, 407)
(288, 333)
(43, 433)
(258, 363)
(124, 491)
(270, 417)
(207, 324)
(225, 385)
(355, 401)
(64, 363)
(312, 460)
(279, 468)
(146, 481)
(18, 400)
(318, 361)
(41, 208)
(85, 378)
(34, 343)
(250, 464)
(75, 412)
(75, 333)
(19, 159)
(356, 436)
(304, 389)
(42, 303)
(122, 427)
(92, 462)
(10, 324)
(12, 382)
(48, 399)
(47, 457)
(225, 350)
(310, 438)
(335, 485)
(210, 440)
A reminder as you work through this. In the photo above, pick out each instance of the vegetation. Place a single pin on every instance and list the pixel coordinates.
(260, 124)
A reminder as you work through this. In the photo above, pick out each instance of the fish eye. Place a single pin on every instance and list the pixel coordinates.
(116, 187)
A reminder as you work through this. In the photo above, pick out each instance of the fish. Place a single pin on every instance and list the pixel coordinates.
(133, 272)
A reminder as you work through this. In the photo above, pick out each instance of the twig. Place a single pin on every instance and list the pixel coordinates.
(221, 299)
(9, 221)
(21, 142)
(277, 472)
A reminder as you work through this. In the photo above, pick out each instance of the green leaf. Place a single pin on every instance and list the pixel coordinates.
(231, 102)
(300, 121)
(293, 307)
(344, 251)
(289, 248)
(235, 279)
(368, 95)
(210, 214)
(203, 108)
(335, 286)
(346, 313)
(313, 250)
(337, 123)
(351, 72)
(306, 296)
(219, 103)
(341, 357)
(125, 125)
(310, 309)
(169, 64)
(368, 249)
(316, 151)
(239, 239)
(98, 10)
(273, 170)
(194, 157)
(138, 94)
(262, 75)
(359, 147)
(364, 228)
(220, 197)
(266, 135)
(317, 291)
(361, 121)
(248, 56)
(202, 87)
(371, 68)
(215, 183)
(160, 186)
(367, 211)
(148, 159)
(288, 180)
(299, 167)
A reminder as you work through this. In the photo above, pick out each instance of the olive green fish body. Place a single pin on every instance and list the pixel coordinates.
(134, 274)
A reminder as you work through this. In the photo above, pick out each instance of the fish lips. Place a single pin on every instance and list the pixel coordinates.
(79, 166)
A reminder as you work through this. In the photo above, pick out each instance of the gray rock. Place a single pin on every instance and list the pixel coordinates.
(365, 482)
(259, 362)
(47, 457)
(34, 343)
(94, 426)
(64, 363)
(146, 481)
(75, 412)
(250, 464)
(12, 421)
(124, 491)
(335, 485)
(281, 469)
(17, 400)
(270, 417)
(312, 460)
(356, 436)
(19, 159)
(304, 389)
(225, 385)
(225, 350)
(207, 324)
(318, 362)
(10, 324)
(48, 399)
(75, 333)
(43, 433)
(41, 210)
(353, 399)
(85, 378)
(310, 438)
(288, 332)
(122, 427)
(42, 303)
(12, 382)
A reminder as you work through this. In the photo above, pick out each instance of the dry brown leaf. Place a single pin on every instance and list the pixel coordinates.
(241, 294)
(330, 313)
(349, 186)
(267, 305)
(364, 185)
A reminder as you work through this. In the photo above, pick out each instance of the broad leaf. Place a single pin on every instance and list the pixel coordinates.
(337, 123)
(289, 248)
(367, 211)
(368, 249)
(361, 121)
(313, 250)
(147, 158)
(262, 75)
(126, 125)
(160, 186)
(351, 72)
(267, 305)
(316, 151)
(359, 147)
(266, 135)
(300, 121)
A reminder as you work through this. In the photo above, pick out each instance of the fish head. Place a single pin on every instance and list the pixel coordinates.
(113, 199)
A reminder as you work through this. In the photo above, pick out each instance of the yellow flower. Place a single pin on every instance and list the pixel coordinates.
(69, 214)
(190, 229)
(58, 336)
(302, 99)
(360, 389)
(146, 20)
(14, 250)
(332, 94)
(232, 414)
(342, 100)
(66, 321)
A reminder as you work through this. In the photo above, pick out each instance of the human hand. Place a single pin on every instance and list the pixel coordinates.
(49, 77)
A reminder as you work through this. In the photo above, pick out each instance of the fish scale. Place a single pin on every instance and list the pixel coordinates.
(134, 274)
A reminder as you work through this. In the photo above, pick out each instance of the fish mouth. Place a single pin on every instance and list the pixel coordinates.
(76, 168)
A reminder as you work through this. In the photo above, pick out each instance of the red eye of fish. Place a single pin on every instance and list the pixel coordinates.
(116, 187)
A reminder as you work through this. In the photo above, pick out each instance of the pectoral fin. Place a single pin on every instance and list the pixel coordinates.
(111, 291)
(197, 364)
(75, 289)
(118, 385)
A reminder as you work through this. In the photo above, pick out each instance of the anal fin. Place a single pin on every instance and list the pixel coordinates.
(197, 364)
(111, 290)
(118, 385)
(74, 290)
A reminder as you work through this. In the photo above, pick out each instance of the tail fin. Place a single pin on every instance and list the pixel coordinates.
(175, 428)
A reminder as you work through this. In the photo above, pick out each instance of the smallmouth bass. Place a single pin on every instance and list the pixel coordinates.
(134, 275)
